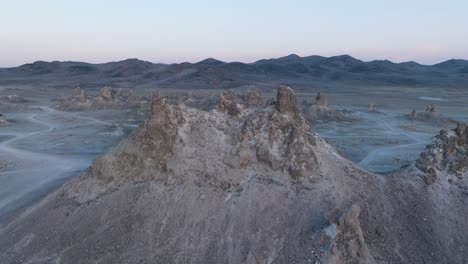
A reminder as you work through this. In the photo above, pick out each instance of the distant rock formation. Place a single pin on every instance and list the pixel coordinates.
(13, 98)
(254, 98)
(430, 108)
(349, 245)
(107, 94)
(430, 115)
(321, 100)
(448, 154)
(320, 111)
(3, 121)
(106, 98)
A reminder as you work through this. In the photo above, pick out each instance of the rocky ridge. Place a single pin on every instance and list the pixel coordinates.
(448, 154)
(237, 184)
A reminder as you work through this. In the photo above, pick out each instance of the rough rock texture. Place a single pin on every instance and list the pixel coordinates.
(349, 245)
(191, 186)
(107, 94)
(228, 102)
(78, 100)
(254, 98)
(286, 100)
(448, 154)
(106, 98)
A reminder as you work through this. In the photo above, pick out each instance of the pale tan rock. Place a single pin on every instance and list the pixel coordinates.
(286, 100)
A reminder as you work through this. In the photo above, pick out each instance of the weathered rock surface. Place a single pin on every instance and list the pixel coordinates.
(448, 154)
(254, 98)
(286, 100)
(106, 98)
(430, 108)
(236, 184)
(348, 244)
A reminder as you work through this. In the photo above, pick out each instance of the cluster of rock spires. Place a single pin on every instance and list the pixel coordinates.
(280, 139)
(320, 111)
(244, 183)
(106, 98)
(431, 115)
(448, 154)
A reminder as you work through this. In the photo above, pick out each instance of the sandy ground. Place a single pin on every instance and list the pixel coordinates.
(44, 147)
(386, 140)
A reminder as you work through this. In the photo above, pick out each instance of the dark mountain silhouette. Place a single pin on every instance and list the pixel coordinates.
(212, 73)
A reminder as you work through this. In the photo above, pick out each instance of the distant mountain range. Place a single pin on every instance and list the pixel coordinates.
(212, 73)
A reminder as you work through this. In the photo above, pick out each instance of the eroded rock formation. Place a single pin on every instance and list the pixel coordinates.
(320, 111)
(321, 100)
(13, 98)
(448, 154)
(106, 98)
(3, 121)
(286, 100)
(254, 98)
(236, 184)
(431, 115)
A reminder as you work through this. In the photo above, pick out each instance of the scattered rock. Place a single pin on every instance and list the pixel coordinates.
(320, 111)
(430, 108)
(321, 100)
(107, 98)
(13, 98)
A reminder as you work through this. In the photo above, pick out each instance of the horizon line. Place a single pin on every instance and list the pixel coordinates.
(229, 61)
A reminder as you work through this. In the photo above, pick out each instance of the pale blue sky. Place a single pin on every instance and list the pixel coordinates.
(427, 31)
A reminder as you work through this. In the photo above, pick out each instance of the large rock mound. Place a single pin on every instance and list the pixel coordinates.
(237, 184)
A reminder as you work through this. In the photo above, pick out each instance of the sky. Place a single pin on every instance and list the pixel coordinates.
(428, 31)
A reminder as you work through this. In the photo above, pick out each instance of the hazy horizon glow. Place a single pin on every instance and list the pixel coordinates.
(428, 31)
